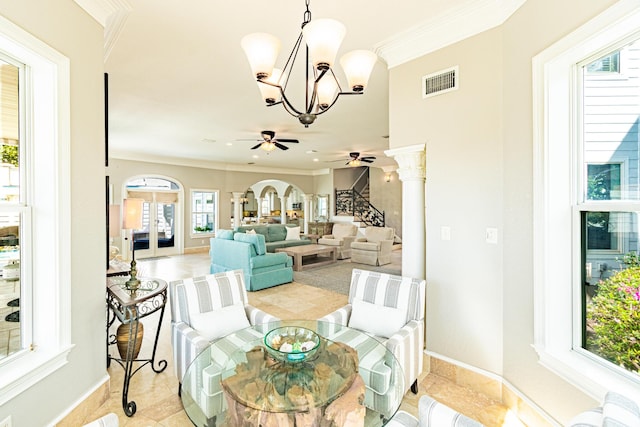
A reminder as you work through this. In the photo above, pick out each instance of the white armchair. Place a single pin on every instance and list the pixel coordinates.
(432, 413)
(392, 309)
(342, 235)
(375, 247)
(206, 308)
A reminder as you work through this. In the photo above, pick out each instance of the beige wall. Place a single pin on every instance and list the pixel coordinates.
(64, 26)
(226, 182)
(479, 175)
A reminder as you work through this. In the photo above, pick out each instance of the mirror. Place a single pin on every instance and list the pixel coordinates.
(322, 208)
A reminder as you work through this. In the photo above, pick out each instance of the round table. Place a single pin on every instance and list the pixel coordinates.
(235, 382)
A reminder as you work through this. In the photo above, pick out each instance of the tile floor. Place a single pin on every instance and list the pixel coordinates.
(156, 395)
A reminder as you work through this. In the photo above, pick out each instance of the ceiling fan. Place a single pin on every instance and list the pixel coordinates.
(356, 159)
(269, 141)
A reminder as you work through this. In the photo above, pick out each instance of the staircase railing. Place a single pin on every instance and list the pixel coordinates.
(351, 202)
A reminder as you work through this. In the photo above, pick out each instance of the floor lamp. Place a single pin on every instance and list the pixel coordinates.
(132, 220)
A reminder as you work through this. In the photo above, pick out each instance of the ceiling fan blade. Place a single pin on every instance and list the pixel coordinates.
(256, 146)
(280, 146)
(364, 159)
(293, 141)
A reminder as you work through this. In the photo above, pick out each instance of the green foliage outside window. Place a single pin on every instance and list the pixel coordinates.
(613, 316)
(9, 154)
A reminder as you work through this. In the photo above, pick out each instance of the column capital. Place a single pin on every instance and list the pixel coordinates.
(411, 161)
(308, 197)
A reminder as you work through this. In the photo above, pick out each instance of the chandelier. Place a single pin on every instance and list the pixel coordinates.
(322, 39)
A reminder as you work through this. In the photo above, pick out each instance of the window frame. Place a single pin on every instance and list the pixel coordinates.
(46, 239)
(556, 139)
(200, 234)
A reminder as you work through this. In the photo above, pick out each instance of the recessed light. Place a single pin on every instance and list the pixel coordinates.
(229, 144)
(255, 156)
(316, 160)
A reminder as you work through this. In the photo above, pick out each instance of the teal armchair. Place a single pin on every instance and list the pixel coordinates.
(247, 252)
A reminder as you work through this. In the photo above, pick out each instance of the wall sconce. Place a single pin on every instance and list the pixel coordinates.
(132, 220)
(387, 177)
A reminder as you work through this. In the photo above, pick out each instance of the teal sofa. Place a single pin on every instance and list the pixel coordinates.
(232, 251)
(275, 235)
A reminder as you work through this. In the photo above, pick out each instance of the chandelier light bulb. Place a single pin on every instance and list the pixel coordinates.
(270, 93)
(262, 51)
(327, 89)
(357, 66)
(323, 38)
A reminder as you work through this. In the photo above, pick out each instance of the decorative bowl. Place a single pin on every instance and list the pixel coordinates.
(291, 343)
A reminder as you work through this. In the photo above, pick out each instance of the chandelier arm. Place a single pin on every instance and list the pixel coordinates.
(335, 100)
(291, 60)
(314, 93)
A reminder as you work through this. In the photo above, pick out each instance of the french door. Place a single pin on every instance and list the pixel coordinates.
(157, 237)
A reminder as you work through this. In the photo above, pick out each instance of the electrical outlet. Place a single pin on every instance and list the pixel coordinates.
(445, 233)
(6, 422)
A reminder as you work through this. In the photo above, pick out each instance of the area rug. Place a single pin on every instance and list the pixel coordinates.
(336, 277)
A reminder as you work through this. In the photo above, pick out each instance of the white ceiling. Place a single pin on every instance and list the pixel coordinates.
(181, 91)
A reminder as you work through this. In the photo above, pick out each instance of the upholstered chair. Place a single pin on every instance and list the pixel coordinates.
(432, 413)
(375, 247)
(391, 308)
(206, 308)
(342, 235)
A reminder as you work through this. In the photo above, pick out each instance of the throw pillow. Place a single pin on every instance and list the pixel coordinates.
(225, 234)
(376, 319)
(221, 322)
(293, 233)
(251, 231)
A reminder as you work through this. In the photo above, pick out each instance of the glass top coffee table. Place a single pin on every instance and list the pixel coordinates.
(351, 379)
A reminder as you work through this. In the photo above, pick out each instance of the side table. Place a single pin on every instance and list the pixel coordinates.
(129, 307)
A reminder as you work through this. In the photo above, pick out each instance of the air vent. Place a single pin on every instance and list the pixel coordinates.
(440, 82)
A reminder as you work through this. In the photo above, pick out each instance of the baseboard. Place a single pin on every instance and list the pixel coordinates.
(492, 386)
(80, 412)
(196, 250)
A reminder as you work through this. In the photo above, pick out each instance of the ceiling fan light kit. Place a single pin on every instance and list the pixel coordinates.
(322, 39)
(270, 143)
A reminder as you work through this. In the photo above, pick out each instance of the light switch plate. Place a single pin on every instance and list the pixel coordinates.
(492, 235)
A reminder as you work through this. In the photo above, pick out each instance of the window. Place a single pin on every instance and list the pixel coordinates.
(204, 212)
(586, 190)
(37, 200)
(607, 64)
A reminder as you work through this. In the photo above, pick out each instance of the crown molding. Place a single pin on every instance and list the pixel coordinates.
(111, 14)
(458, 23)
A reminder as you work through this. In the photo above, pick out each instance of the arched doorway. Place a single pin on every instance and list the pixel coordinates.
(162, 223)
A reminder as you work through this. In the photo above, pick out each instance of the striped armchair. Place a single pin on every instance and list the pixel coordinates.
(392, 309)
(432, 414)
(194, 304)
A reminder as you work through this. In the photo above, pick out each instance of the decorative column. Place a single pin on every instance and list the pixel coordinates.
(259, 201)
(283, 210)
(237, 209)
(308, 208)
(412, 172)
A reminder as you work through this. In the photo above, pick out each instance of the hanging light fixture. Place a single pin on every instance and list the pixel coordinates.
(322, 38)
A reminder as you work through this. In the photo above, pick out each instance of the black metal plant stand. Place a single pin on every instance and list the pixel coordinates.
(129, 307)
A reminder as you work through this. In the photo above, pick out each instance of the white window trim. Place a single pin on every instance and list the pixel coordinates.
(47, 136)
(556, 283)
(212, 233)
